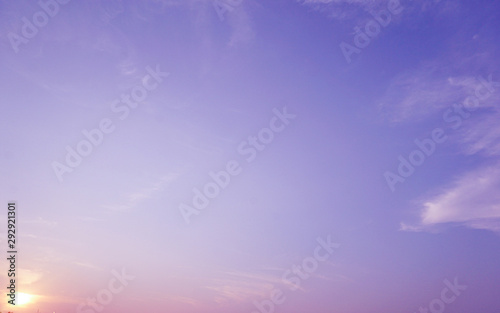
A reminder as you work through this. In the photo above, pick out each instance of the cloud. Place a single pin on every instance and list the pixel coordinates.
(419, 94)
(447, 76)
(41, 221)
(472, 200)
(238, 286)
(241, 25)
(482, 136)
(356, 10)
(406, 227)
(90, 219)
(423, 95)
(339, 9)
(29, 277)
(237, 18)
(135, 198)
(358, 2)
(342, 9)
(241, 286)
(88, 265)
(363, 3)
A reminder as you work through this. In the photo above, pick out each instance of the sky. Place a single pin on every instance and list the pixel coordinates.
(251, 156)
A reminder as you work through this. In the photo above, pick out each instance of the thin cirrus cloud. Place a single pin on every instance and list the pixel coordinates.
(237, 18)
(483, 136)
(357, 10)
(241, 23)
(421, 93)
(472, 200)
(120, 207)
(241, 287)
(224, 288)
(358, 2)
(340, 9)
(135, 198)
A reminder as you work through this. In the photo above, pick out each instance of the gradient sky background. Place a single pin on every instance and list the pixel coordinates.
(322, 176)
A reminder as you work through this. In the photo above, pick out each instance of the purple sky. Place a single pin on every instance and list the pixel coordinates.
(352, 146)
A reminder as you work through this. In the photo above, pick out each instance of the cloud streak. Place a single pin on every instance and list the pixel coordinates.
(471, 200)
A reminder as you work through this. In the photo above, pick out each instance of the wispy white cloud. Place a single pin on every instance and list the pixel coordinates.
(426, 93)
(237, 17)
(90, 219)
(419, 94)
(411, 228)
(242, 27)
(242, 286)
(357, 10)
(28, 276)
(472, 200)
(88, 265)
(41, 221)
(168, 298)
(339, 9)
(422, 5)
(362, 3)
(482, 136)
(135, 198)
(358, 2)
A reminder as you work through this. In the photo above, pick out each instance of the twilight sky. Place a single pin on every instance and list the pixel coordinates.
(221, 156)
